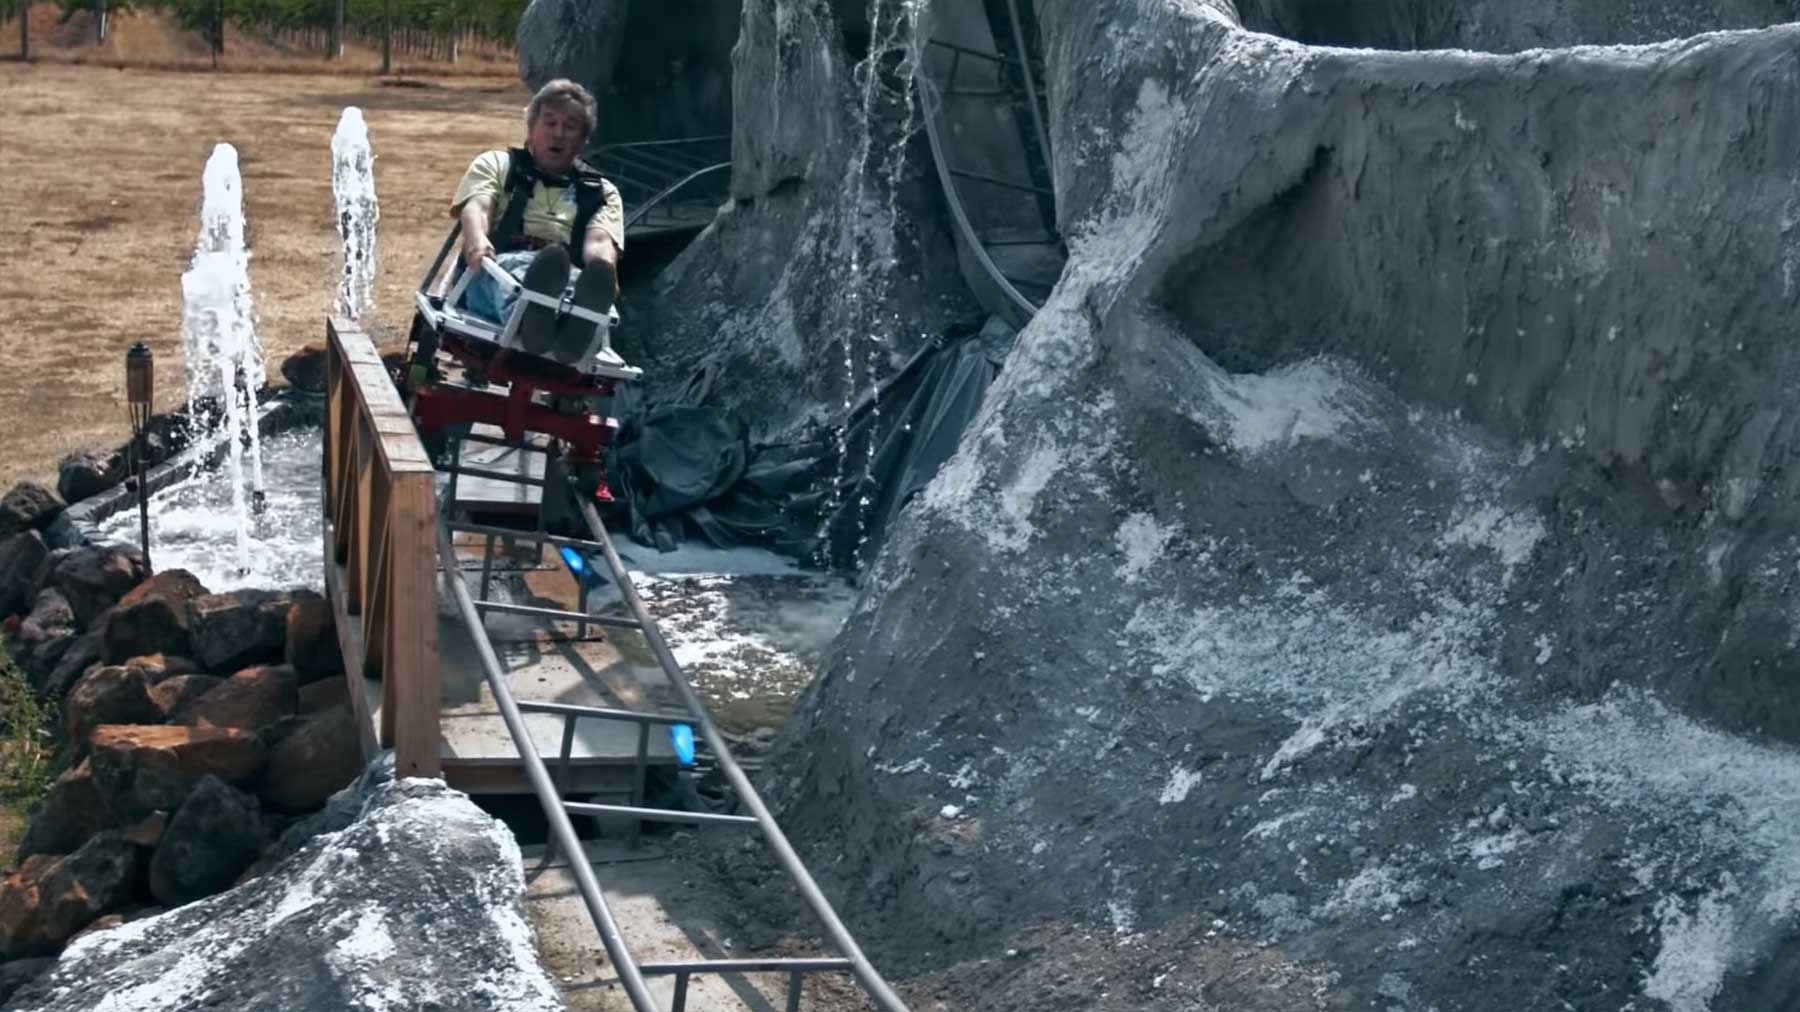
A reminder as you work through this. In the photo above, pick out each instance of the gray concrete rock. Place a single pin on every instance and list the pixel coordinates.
(1381, 541)
(1506, 25)
(216, 833)
(418, 896)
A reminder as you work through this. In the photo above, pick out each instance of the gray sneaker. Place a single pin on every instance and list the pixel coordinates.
(594, 293)
(547, 275)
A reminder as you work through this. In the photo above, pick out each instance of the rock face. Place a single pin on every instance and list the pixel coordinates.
(1382, 541)
(415, 903)
(658, 70)
(1505, 25)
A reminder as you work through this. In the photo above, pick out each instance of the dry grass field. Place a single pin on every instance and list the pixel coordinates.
(100, 185)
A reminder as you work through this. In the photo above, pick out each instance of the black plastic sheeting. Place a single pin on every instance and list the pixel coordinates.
(685, 469)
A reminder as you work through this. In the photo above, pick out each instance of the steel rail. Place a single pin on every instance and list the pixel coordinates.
(860, 967)
(561, 829)
(642, 209)
(1037, 118)
(928, 96)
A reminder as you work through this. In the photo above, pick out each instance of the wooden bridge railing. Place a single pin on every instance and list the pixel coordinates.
(381, 549)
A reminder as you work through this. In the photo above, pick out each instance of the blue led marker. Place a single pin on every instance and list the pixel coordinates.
(682, 736)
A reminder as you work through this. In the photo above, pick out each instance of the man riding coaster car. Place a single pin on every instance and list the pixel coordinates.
(560, 232)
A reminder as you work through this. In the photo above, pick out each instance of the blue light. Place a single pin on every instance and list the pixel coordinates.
(577, 564)
(682, 737)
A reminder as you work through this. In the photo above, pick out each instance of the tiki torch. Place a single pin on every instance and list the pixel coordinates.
(140, 387)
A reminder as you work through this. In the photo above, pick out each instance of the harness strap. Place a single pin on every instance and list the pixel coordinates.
(522, 176)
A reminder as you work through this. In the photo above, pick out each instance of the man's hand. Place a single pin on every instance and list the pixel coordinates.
(475, 249)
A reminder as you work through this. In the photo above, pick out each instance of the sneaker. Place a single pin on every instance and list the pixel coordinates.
(594, 293)
(547, 275)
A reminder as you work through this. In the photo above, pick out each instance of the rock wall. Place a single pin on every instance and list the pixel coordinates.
(659, 70)
(1325, 563)
(1505, 26)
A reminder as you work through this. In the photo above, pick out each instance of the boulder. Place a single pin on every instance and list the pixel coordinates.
(248, 700)
(47, 899)
(158, 667)
(175, 696)
(84, 474)
(146, 832)
(95, 577)
(305, 369)
(111, 694)
(418, 897)
(235, 630)
(312, 644)
(313, 761)
(152, 618)
(71, 813)
(16, 973)
(39, 660)
(323, 695)
(50, 613)
(20, 556)
(28, 506)
(66, 665)
(140, 769)
(215, 834)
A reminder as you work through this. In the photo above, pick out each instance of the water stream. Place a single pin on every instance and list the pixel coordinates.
(218, 329)
(353, 188)
(870, 238)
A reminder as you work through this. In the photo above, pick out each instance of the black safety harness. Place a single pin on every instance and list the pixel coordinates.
(521, 176)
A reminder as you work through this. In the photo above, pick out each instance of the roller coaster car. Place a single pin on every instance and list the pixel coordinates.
(463, 370)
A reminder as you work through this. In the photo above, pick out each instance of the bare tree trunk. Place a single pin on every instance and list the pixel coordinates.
(387, 36)
(99, 20)
(24, 30)
(337, 31)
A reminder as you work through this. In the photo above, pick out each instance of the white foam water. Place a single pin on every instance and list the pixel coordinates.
(218, 329)
(353, 187)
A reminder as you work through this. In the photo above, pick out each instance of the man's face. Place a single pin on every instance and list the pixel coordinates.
(556, 138)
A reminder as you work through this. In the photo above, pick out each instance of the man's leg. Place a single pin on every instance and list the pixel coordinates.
(484, 298)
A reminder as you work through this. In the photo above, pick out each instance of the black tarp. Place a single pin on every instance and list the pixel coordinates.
(685, 469)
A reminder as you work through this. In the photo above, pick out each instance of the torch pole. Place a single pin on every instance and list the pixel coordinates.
(140, 384)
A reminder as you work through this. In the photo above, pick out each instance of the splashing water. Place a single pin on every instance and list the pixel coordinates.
(870, 241)
(218, 330)
(353, 186)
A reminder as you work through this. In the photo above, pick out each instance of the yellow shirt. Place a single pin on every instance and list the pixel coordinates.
(550, 213)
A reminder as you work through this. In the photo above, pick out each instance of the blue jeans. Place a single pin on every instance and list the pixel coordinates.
(484, 298)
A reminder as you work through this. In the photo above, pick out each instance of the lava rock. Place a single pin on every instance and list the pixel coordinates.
(28, 507)
(95, 577)
(215, 834)
(80, 655)
(84, 474)
(235, 630)
(50, 613)
(71, 813)
(313, 761)
(140, 769)
(152, 618)
(176, 695)
(248, 700)
(159, 667)
(111, 694)
(48, 899)
(312, 644)
(305, 369)
(20, 556)
(324, 694)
